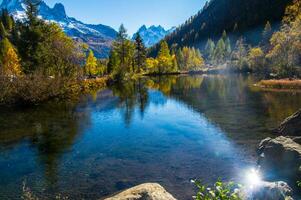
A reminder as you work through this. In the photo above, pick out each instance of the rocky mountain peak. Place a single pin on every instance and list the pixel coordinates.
(59, 10)
(153, 34)
(99, 37)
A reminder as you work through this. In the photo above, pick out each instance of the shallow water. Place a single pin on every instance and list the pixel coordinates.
(167, 130)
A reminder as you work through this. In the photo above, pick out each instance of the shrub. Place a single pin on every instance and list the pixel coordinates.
(220, 191)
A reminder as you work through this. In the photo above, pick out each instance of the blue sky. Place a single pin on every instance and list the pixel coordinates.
(133, 13)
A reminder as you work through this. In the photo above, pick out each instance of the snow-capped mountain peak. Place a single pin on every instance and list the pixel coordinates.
(99, 37)
(153, 34)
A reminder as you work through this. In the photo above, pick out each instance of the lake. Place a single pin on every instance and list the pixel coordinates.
(168, 130)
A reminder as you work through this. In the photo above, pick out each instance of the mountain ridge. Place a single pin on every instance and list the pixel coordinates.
(99, 37)
(236, 17)
(153, 34)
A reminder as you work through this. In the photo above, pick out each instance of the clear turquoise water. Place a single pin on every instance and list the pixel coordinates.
(167, 130)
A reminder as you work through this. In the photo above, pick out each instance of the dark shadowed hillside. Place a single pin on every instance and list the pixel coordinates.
(234, 16)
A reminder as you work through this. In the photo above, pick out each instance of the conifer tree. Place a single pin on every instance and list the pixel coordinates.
(113, 61)
(91, 64)
(180, 59)
(219, 53)
(30, 37)
(32, 11)
(267, 33)
(120, 44)
(228, 48)
(7, 20)
(240, 55)
(164, 58)
(140, 53)
(209, 50)
(224, 36)
(3, 33)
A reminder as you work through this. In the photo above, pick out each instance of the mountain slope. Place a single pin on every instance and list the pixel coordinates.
(238, 17)
(99, 37)
(152, 35)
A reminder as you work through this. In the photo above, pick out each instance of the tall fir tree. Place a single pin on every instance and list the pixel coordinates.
(121, 44)
(140, 53)
(3, 32)
(31, 35)
(228, 48)
(209, 50)
(267, 33)
(219, 53)
(7, 20)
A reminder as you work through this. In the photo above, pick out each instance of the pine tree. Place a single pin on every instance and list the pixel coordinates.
(240, 55)
(267, 33)
(3, 33)
(113, 61)
(164, 49)
(121, 44)
(32, 11)
(209, 50)
(7, 20)
(180, 59)
(228, 48)
(140, 53)
(31, 36)
(91, 64)
(224, 36)
(220, 50)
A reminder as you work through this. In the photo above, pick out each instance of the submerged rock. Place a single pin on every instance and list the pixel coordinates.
(280, 157)
(147, 191)
(268, 191)
(291, 126)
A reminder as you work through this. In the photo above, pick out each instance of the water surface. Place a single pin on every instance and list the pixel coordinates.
(167, 130)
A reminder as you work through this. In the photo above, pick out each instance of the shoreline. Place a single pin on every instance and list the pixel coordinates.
(280, 84)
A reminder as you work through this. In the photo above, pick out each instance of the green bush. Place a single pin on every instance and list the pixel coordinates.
(219, 191)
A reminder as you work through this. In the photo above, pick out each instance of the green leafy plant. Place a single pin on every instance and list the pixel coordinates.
(219, 191)
(299, 184)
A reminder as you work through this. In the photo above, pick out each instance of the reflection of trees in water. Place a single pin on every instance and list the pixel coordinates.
(281, 104)
(51, 130)
(131, 94)
(229, 101)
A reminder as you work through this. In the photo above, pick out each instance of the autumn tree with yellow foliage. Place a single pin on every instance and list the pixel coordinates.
(91, 64)
(10, 62)
(256, 59)
(285, 53)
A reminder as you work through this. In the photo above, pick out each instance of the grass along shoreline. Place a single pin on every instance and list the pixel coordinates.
(287, 84)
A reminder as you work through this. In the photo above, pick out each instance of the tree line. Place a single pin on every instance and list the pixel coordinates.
(278, 54)
(128, 58)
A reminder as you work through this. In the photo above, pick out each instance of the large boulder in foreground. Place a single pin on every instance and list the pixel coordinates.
(291, 126)
(280, 157)
(147, 191)
(268, 191)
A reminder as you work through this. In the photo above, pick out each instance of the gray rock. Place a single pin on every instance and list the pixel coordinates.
(147, 191)
(268, 191)
(291, 126)
(280, 157)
